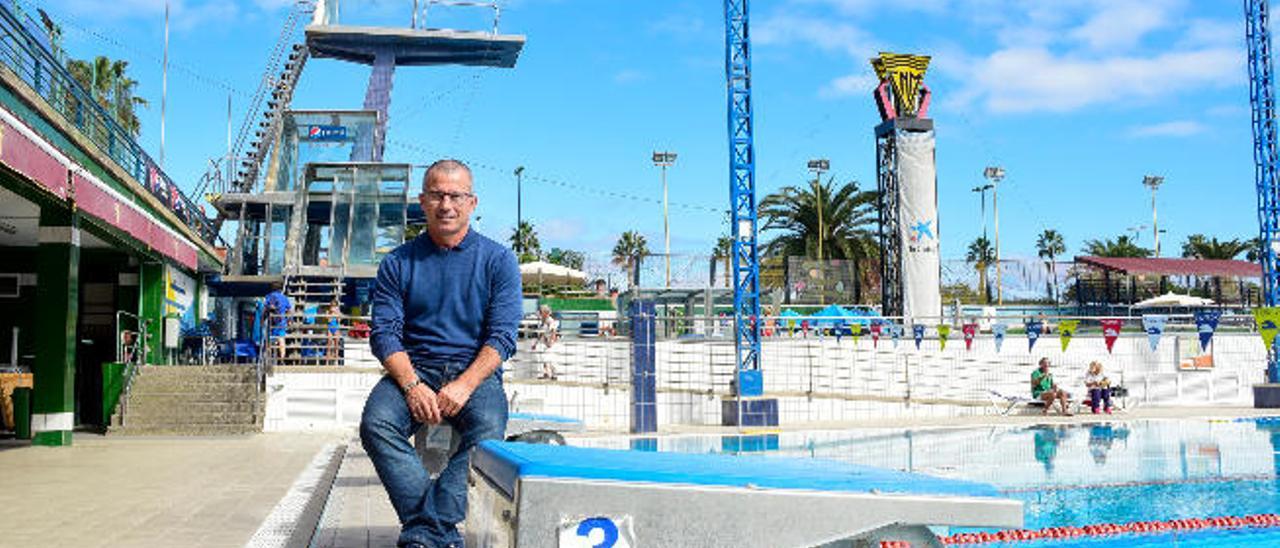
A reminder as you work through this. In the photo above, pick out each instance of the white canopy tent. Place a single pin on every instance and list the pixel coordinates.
(544, 273)
(1174, 300)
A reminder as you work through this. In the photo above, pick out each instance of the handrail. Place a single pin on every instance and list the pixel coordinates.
(131, 366)
(27, 57)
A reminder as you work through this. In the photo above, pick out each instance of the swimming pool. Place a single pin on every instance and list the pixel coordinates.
(1073, 475)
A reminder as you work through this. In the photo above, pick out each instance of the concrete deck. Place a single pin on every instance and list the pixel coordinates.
(144, 492)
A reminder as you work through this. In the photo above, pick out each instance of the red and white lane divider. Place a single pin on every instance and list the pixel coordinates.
(1110, 529)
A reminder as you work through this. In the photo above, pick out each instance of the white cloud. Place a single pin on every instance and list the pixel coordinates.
(629, 76)
(1029, 80)
(1121, 25)
(1176, 128)
(183, 14)
(850, 85)
(822, 33)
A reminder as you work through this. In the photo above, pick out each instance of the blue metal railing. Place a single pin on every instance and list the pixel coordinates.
(24, 51)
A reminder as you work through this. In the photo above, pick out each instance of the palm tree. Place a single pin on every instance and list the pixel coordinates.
(847, 229)
(109, 85)
(1255, 250)
(628, 252)
(1049, 245)
(1198, 246)
(722, 250)
(524, 241)
(981, 255)
(566, 257)
(1122, 246)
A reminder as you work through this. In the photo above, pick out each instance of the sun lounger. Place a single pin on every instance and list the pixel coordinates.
(1005, 403)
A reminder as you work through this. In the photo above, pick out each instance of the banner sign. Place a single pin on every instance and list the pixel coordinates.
(944, 331)
(1067, 330)
(1153, 324)
(326, 133)
(1268, 318)
(1034, 327)
(917, 332)
(1111, 332)
(998, 331)
(918, 226)
(970, 331)
(1206, 324)
(875, 334)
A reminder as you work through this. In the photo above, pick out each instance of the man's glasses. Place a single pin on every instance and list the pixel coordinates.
(437, 196)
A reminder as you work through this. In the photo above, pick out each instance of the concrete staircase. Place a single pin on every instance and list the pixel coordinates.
(191, 401)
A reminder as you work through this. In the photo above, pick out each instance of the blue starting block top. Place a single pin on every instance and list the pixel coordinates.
(505, 463)
(542, 418)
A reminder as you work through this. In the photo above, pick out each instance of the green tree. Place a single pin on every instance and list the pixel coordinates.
(1122, 246)
(981, 255)
(524, 241)
(722, 250)
(1198, 246)
(847, 225)
(109, 84)
(1254, 254)
(566, 258)
(1049, 245)
(628, 252)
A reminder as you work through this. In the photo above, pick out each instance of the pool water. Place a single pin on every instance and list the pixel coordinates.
(1065, 475)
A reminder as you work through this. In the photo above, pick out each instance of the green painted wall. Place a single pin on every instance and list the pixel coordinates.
(151, 286)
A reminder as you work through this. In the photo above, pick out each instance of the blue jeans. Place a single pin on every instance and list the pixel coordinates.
(429, 511)
(1098, 395)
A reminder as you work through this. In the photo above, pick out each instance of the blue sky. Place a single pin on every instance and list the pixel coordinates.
(1076, 99)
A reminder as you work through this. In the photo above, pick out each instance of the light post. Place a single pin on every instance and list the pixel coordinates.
(519, 172)
(818, 167)
(1153, 182)
(665, 160)
(983, 191)
(995, 174)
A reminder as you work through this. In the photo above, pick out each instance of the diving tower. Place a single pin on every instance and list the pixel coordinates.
(385, 48)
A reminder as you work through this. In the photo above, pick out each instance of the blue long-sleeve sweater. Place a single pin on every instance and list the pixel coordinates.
(443, 305)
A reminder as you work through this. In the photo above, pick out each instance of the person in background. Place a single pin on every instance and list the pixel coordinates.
(334, 346)
(1099, 388)
(1043, 388)
(277, 307)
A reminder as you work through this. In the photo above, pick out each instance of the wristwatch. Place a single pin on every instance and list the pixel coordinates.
(406, 388)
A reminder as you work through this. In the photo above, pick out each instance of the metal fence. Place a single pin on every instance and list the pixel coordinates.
(24, 52)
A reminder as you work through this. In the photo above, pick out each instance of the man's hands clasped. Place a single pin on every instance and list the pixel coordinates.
(430, 407)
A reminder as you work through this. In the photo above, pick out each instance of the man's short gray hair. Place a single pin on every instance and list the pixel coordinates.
(441, 167)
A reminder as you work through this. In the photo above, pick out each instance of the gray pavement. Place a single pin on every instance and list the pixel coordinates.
(358, 514)
(144, 492)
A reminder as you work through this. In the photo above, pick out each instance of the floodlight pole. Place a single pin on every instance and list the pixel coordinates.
(818, 167)
(665, 160)
(982, 190)
(519, 172)
(1153, 182)
(996, 174)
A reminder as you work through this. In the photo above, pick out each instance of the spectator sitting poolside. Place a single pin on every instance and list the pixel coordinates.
(1043, 388)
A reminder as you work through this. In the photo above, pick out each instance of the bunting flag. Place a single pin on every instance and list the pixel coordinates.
(1206, 324)
(970, 331)
(1067, 330)
(997, 331)
(1111, 332)
(944, 331)
(895, 333)
(1034, 327)
(855, 331)
(917, 332)
(1268, 318)
(1153, 324)
(875, 334)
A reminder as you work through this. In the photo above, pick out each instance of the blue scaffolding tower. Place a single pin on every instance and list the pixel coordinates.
(1263, 102)
(742, 201)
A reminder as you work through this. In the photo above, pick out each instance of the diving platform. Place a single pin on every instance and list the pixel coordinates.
(546, 495)
(414, 47)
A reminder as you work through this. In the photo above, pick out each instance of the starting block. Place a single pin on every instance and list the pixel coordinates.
(526, 495)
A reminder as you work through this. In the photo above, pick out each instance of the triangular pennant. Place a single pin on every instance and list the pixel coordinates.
(1268, 318)
(970, 331)
(1067, 330)
(1111, 332)
(855, 331)
(1206, 324)
(1034, 327)
(944, 331)
(875, 334)
(1153, 324)
(895, 333)
(998, 331)
(917, 332)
